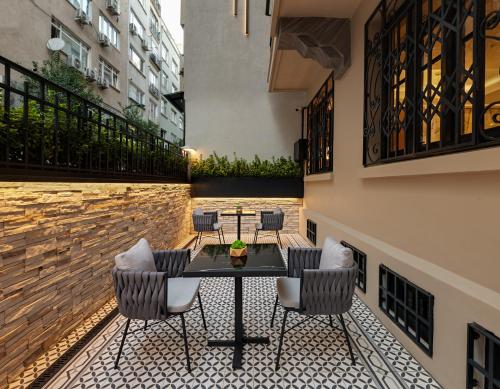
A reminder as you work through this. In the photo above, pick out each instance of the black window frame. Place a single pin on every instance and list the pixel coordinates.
(416, 306)
(311, 231)
(489, 367)
(360, 259)
(320, 129)
(395, 130)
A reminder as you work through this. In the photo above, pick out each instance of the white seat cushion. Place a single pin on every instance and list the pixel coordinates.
(288, 292)
(258, 226)
(334, 255)
(181, 293)
(138, 257)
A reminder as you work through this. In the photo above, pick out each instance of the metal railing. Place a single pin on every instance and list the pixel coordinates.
(50, 133)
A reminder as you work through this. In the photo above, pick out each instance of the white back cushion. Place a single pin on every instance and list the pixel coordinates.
(277, 210)
(334, 255)
(198, 211)
(138, 257)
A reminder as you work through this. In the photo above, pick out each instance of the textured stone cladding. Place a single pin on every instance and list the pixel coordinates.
(290, 206)
(57, 248)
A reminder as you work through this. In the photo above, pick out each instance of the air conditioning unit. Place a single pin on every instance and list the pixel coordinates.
(103, 40)
(91, 74)
(82, 17)
(75, 62)
(133, 29)
(113, 7)
(154, 90)
(145, 44)
(102, 83)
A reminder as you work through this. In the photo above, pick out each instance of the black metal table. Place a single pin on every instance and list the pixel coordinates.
(238, 214)
(263, 260)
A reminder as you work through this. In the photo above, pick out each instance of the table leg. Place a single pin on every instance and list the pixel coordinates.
(239, 333)
(239, 228)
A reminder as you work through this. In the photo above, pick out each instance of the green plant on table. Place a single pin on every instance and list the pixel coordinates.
(238, 244)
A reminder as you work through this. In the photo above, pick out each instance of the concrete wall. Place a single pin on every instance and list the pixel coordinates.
(57, 248)
(434, 221)
(228, 108)
(25, 28)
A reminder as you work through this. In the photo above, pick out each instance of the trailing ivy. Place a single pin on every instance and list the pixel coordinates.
(221, 166)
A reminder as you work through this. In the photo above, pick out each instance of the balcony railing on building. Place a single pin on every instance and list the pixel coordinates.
(48, 132)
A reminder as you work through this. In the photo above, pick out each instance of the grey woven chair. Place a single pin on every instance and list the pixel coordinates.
(270, 221)
(207, 222)
(160, 295)
(311, 291)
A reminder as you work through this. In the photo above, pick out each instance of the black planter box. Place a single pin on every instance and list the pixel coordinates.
(247, 187)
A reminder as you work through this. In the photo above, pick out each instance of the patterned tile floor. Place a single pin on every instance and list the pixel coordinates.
(314, 354)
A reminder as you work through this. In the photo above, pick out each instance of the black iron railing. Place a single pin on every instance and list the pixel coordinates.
(48, 132)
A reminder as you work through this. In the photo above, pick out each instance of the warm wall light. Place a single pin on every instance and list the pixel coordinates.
(246, 18)
(235, 7)
(189, 149)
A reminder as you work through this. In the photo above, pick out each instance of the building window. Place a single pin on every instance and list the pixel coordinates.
(175, 68)
(155, 48)
(311, 231)
(164, 80)
(153, 78)
(483, 358)
(174, 88)
(360, 259)
(137, 23)
(136, 59)
(173, 116)
(164, 53)
(163, 107)
(135, 94)
(81, 4)
(320, 130)
(153, 111)
(154, 25)
(109, 73)
(73, 47)
(106, 28)
(409, 306)
(181, 122)
(431, 82)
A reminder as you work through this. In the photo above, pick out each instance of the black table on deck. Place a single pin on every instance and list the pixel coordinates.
(238, 214)
(263, 260)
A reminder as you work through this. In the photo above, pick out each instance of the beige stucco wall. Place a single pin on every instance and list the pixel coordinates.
(25, 28)
(434, 221)
(228, 108)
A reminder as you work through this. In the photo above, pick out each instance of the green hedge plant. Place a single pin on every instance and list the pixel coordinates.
(221, 166)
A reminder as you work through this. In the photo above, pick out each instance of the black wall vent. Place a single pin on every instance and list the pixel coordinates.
(360, 259)
(483, 358)
(311, 231)
(409, 306)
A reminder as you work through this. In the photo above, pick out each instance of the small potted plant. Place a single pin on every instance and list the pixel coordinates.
(239, 208)
(238, 249)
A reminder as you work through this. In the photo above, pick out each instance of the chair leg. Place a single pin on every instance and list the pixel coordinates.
(121, 345)
(274, 311)
(279, 238)
(256, 236)
(202, 313)
(347, 337)
(223, 237)
(281, 339)
(186, 346)
(145, 325)
(331, 321)
(218, 233)
(196, 241)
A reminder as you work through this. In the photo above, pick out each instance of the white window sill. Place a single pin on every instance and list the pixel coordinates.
(319, 177)
(486, 160)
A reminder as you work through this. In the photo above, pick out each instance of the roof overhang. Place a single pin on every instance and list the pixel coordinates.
(176, 99)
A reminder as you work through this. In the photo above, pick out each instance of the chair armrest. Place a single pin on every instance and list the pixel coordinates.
(302, 258)
(141, 294)
(172, 262)
(327, 292)
(203, 222)
(272, 221)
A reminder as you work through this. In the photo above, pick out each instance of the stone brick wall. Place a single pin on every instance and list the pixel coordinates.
(57, 248)
(290, 206)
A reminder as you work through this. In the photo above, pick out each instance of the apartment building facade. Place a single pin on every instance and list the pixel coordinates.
(153, 69)
(95, 35)
(401, 160)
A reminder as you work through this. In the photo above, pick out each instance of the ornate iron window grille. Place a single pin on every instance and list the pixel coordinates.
(409, 306)
(483, 358)
(311, 231)
(320, 130)
(360, 259)
(50, 133)
(427, 70)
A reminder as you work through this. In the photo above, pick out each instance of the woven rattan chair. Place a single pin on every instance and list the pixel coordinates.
(270, 221)
(160, 295)
(311, 291)
(207, 222)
